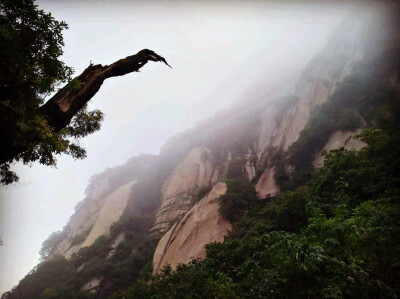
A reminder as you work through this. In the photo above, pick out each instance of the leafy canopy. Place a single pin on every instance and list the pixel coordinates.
(30, 70)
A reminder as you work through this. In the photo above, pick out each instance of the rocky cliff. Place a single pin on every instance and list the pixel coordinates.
(186, 239)
(238, 140)
(106, 199)
(195, 171)
(178, 190)
(267, 127)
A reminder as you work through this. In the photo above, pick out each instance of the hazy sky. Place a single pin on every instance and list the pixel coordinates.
(217, 50)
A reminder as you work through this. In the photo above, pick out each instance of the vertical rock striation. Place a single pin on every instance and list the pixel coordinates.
(186, 239)
(195, 171)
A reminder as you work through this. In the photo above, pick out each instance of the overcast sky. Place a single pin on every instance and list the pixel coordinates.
(219, 51)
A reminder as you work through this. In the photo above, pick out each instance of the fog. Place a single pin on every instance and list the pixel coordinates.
(218, 51)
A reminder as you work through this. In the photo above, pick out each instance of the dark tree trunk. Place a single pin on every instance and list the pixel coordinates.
(61, 108)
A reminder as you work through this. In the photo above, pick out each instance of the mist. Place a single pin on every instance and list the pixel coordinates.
(222, 53)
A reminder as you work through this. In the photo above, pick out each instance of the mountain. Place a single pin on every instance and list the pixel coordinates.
(162, 210)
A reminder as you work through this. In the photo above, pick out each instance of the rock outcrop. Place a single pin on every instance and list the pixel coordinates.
(337, 140)
(96, 222)
(92, 285)
(85, 216)
(241, 134)
(186, 239)
(107, 197)
(312, 90)
(110, 212)
(266, 184)
(196, 170)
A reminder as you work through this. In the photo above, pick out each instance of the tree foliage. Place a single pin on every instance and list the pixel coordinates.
(51, 243)
(32, 129)
(30, 70)
(239, 197)
(57, 277)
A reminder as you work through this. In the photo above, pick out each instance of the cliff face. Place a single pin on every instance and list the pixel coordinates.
(313, 89)
(86, 214)
(195, 171)
(337, 140)
(106, 199)
(186, 239)
(96, 222)
(275, 128)
(112, 209)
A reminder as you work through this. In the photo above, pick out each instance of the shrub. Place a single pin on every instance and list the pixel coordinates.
(201, 192)
(235, 168)
(78, 239)
(237, 200)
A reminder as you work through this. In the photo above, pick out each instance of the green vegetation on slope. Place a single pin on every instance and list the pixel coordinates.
(238, 199)
(59, 278)
(339, 236)
(354, 99)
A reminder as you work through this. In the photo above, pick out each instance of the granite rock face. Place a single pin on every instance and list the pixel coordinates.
(266, 184)
(110, 212)
(313, 89)
(195, 171)
(250, 135)
(95, 222)
(337, 140)
(186, 239)
(82, 221)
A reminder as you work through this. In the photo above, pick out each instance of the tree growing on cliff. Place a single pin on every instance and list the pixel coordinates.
(33, 129)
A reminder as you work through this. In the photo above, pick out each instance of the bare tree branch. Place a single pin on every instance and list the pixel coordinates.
(61, 108)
